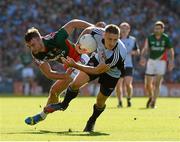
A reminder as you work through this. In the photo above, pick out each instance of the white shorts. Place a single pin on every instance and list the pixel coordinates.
(83, 60)
(156, 67)
(28, 72)
(74, 73)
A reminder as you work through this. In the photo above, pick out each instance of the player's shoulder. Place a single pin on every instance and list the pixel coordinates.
(120, 44)
(151, 35)
(36, 60)
(97, 30)
(122, 48)
(165, 35)
(61, 32)
(132, 37)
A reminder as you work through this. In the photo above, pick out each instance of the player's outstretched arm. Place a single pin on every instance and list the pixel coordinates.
(101, 68)
(76, 23)
(171, 60)
(143, 53)
(49, 73)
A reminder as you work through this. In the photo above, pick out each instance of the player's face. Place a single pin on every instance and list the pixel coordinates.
(35, 45)
(125, 30)
(158, 30)
(110, 40)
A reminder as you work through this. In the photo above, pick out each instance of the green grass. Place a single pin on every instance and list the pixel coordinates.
(162, 123)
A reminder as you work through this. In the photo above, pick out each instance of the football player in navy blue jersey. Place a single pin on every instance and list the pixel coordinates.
(107, 65)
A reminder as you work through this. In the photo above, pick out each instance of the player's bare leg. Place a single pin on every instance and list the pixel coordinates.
(71, 93)
(55, 90)
(119, 92)
(149, 88)
(129, 89)
(157, 85)
(98, 108)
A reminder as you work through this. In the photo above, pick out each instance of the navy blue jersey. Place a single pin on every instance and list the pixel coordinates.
(115, 58)
(131, 44)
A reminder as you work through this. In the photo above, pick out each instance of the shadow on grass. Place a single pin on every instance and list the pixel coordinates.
(112, 108)
(63, 133)
(144, 108)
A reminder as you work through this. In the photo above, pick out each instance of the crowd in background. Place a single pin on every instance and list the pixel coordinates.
(49, 15)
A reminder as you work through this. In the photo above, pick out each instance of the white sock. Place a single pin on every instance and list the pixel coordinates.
(43, 115)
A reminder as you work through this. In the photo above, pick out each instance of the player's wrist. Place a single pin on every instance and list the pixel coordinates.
(171, 61)
(143, 58)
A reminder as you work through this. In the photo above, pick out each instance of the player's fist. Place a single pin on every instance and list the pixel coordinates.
(142, 61)
(170, 66)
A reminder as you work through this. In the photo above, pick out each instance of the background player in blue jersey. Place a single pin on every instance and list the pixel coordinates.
(107, 65)
(125, 83)
(51, 48)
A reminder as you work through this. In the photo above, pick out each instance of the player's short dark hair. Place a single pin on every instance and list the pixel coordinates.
(159, 23)
(111, 28)
(125, 24)
(31, 33)
(101, 24)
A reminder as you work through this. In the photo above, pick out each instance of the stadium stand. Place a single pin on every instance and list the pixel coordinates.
(48, 16)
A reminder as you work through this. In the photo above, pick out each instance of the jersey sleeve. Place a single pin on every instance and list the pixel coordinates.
(61, 36)
(97, 33)
(148, 40)
(84, 59)
(168, 43)
(119, 54)
(37, 61)
(136, 46)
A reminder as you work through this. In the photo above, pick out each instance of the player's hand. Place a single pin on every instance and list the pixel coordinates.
(69, 70)
(142, 62)
(69, 62)
(170, 66)
(67, 77)
(101, 68)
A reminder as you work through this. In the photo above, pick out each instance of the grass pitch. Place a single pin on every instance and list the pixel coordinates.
(135, 123)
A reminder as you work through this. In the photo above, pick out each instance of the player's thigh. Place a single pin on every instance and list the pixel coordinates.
(120, 83)
(148, 80)
(128, 80)
(101, 99)
(81, 79)
(158, 80)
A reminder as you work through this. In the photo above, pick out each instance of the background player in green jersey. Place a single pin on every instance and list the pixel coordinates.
(52, 47)
(156, 45)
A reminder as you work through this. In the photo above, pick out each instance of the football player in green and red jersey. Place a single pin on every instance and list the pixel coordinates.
(157, 45)
(52, 47)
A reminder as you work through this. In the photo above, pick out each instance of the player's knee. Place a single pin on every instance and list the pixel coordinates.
(149, 87)
(157, 86)
(100, 103)
(129, 86)
(69, 80)
(75, 86)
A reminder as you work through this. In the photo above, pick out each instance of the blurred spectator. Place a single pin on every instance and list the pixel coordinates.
(27, 73)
